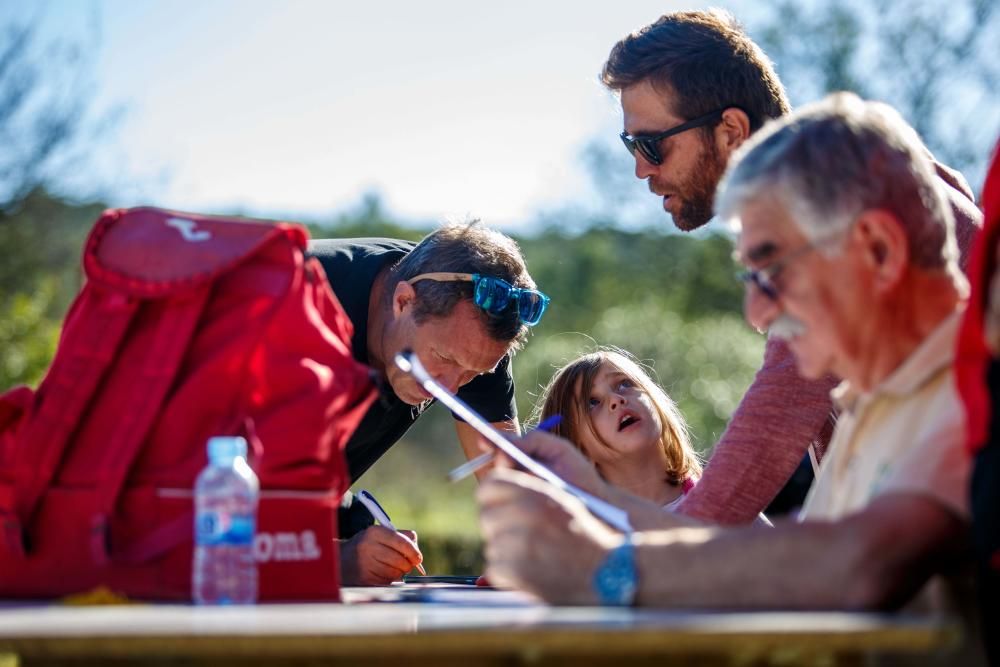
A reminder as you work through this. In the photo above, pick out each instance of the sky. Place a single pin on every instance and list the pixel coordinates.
(448, 109)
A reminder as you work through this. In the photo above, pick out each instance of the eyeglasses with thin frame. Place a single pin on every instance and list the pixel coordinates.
(765, 279)
(649, 144)
(494, 295)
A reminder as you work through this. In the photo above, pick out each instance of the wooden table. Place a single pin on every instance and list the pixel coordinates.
(409, 625)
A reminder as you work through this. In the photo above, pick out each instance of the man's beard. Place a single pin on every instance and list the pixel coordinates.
(697, 195)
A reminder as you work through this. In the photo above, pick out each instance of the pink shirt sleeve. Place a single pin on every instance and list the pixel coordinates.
(782, 413)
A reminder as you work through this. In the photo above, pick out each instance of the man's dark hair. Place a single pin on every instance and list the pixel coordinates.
(468, 248)
(706, 60)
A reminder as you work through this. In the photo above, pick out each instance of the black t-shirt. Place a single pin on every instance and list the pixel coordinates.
(351, 266)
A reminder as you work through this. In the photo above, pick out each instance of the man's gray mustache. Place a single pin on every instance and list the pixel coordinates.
(786, 327)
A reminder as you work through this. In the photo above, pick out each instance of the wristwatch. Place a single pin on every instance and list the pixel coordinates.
(616, 580)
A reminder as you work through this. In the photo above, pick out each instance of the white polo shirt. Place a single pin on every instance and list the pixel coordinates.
(906, 435)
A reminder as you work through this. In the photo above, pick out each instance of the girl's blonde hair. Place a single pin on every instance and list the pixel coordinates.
(560, 397)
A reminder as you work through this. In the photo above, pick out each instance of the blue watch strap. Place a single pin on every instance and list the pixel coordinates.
(616, 580)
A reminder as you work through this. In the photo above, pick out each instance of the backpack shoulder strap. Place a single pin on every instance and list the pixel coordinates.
(86, 351)
(156, 376)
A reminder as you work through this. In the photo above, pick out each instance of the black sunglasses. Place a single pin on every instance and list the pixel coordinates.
(649, 144)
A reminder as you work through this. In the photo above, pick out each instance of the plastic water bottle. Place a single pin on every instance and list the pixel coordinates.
(225, 496)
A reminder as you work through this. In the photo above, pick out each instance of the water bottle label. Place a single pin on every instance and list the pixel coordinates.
(214, 528)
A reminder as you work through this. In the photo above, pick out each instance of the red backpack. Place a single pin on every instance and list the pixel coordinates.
(188, 327)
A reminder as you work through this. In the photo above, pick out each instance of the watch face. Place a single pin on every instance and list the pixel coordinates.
(615, 580)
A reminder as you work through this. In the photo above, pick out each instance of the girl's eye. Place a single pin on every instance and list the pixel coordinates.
(626, 384)
(593, 402)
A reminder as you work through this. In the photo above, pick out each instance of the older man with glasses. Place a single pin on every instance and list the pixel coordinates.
(842, 196)
(462, 300)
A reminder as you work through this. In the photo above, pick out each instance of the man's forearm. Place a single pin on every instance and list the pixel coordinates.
(874, 559)
(470, 440)
(745, 567)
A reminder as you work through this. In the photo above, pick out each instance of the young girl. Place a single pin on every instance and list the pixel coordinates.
(624, 423)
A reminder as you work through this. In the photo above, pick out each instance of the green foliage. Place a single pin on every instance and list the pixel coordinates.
(47, 125)
(600, 267)
(410, 481)
(28, 334)
(368, 220)
(452, 554)
(41, 243)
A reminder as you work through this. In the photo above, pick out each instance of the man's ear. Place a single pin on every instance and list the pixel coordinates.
(885, 249)
(732, 131)
(403, 297)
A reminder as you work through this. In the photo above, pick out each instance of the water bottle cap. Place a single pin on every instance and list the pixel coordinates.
(223, 449)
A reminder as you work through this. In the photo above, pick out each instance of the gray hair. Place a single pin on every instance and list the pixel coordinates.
(829, 161)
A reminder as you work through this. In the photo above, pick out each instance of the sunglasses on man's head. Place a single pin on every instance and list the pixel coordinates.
(649, 144)
(495, 295)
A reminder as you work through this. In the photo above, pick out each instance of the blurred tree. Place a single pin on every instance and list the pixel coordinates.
(367, 219)
(586, 272)
(27, 333)
(47, 114)
(933, 60)
(47, 122)
(39, 276)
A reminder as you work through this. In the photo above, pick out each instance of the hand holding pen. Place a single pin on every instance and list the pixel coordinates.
(472, 465)
(562, 458)
(372, 505)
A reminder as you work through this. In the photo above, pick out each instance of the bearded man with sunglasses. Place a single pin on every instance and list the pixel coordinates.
(463, 301)
(693, 87)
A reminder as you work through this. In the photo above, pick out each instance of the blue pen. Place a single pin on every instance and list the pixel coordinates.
(549, 423)
(472, 465)
(368, 500)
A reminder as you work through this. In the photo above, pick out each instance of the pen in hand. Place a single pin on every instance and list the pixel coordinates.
(472, 465)
(368, 500)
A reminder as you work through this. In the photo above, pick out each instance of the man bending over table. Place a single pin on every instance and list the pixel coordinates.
(463, 300)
